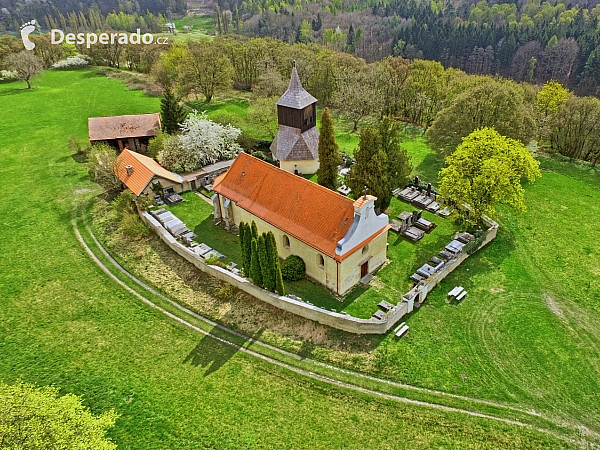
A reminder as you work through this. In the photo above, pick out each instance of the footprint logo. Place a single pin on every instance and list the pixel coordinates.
(26, 30)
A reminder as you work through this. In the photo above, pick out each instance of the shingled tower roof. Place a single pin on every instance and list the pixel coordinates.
(295, 96)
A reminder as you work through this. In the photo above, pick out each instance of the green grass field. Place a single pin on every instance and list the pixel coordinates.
(64, 322)
(529, 332)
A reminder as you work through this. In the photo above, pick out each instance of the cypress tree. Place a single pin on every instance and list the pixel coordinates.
(398, 165)
(247, 253)
(269, 268)
(254, 230)
(266, 267)
(280, 286)
(255, 273)
(171, 112)
(241, 230)
(329, 155)
(370, 170)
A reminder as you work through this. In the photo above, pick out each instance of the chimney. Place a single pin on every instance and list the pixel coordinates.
(129, 169)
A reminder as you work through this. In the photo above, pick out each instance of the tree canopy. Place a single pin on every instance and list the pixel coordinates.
(497, 104)
(381, 164)
(172, 113)
(486, 169)
(329, 155)
(38, 418)
(201, 142)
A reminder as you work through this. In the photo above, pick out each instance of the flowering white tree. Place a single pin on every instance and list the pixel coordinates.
(201, 142)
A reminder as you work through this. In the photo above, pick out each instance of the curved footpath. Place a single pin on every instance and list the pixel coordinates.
(336, 376)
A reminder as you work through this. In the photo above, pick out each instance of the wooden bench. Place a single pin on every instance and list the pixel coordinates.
(461, 296)
(399, 326)
(402, 331)
(456, 291)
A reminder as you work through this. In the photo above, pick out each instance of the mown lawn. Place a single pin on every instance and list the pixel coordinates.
(528, 331)
(64, 322)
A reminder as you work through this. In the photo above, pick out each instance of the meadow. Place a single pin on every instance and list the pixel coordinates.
(528, 333)
(65, 322)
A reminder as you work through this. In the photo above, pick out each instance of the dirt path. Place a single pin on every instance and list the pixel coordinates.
(298, 370)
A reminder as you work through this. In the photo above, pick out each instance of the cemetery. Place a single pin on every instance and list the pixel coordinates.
(401, 285)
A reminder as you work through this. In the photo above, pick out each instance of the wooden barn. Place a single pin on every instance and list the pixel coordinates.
(130, 132)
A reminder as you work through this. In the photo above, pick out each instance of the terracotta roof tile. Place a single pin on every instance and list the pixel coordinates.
(143, 170)
(298, 207)
(119, 127)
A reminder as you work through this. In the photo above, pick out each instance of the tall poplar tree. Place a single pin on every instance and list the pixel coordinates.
(329, 155)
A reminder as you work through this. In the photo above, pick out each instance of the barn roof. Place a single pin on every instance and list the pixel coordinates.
(121, 127)
(311, 213)
(142, 171)
(296, 96)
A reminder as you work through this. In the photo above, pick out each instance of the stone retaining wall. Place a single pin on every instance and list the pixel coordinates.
(374, 325)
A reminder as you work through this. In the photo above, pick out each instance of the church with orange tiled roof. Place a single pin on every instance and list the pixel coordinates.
(342, 241)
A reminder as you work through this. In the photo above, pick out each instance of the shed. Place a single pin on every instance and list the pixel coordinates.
(125, 132)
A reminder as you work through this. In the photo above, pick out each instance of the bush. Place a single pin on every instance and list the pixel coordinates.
(72, 62)
(293, 268)
(8, 75)
(124, 204)
(133, 227)
(102, 162)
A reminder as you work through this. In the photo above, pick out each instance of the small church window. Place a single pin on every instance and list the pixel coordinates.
(286, 241)
(365, 249)
(321, 261)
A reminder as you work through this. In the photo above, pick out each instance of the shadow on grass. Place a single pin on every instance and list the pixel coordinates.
(14, 91)
(429, 168)
(212, 354)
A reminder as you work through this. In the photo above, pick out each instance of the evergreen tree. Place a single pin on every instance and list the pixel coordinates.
(266, 264)
(370, 169)
(241, 231)
(280, 286)
(398, 165)
(254, 230)
(247, 251)
(269, 267)
(255, 273)
(329, 155)
(171, 112)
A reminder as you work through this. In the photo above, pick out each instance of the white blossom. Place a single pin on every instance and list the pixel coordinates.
(71, 62)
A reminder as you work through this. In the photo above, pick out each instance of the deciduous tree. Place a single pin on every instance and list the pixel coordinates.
(575, 129)
(32, 418)
(206, 70)
(551, 98)
(486, 169)
(102, 168)
(492, 104)
(26, 65)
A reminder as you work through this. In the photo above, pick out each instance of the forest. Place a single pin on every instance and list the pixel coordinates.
(531, 41)
(447, 103)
